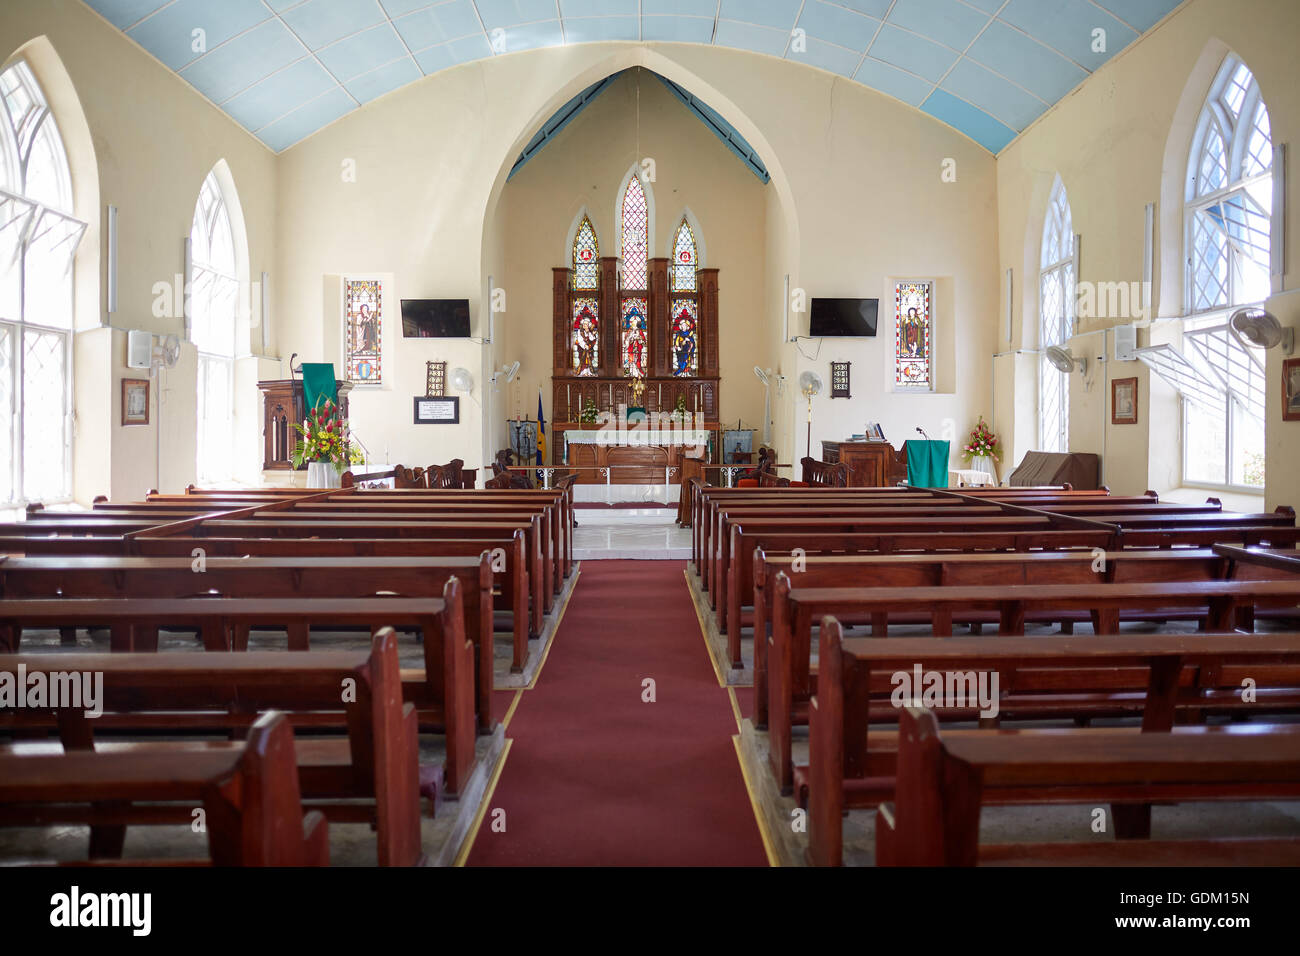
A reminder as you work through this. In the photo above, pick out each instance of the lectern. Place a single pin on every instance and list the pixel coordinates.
(282, 406)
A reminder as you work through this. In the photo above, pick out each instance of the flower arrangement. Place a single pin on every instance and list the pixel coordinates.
(981, 444)
(587, 413)
(324, 438)
(679, 412)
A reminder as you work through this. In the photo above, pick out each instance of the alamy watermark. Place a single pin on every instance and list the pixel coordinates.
(53, 690)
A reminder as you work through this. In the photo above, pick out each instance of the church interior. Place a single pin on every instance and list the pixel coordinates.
(693, 433)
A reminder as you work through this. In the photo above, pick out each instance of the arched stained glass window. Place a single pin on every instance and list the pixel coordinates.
(636, 235)
(1055, 315)
(584, 333)
(635, 325)
(684, 330)
(586, 257)
(685, 259)
(38, 244)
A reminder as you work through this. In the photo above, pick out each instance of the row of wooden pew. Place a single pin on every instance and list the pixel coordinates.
(449, 566)
(924, 563)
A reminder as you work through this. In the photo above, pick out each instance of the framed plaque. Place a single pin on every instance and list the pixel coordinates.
(434, 410)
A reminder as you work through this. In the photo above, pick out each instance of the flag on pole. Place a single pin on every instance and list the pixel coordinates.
(541, 431)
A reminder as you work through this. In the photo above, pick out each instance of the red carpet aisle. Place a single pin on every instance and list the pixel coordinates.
(598, 777)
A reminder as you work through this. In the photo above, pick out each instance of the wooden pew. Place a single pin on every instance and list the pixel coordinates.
(962, 569)
(794, 610)
(540, 567)
(944, 781)
(305, 578)
(853, 766)
(743, 578)
(442, 693)
(249, 793)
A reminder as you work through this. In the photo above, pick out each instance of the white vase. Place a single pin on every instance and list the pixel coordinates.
(323, 474)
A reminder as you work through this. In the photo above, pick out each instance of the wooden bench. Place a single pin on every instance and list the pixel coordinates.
(442, 692)
(743, 577)
(249, 794)
(296, 577)
(943, 783)
(973, 569)
(1164, 677)
(795, 609)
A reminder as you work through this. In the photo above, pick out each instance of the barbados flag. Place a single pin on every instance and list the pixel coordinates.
(541, 431)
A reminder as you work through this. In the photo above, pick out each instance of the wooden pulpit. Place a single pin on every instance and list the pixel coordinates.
(282, 406)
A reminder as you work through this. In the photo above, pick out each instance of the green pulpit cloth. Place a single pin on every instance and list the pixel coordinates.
(318, 384)
(927, 463)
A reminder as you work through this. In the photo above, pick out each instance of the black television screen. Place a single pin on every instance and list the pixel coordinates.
(843, 317)
(435, 318)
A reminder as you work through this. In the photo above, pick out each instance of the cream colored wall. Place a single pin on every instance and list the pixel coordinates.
(848, 167)
(151, 140)
(1118, 142)
(584, 168)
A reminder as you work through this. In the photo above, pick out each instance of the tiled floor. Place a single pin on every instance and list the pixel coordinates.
(637, 533)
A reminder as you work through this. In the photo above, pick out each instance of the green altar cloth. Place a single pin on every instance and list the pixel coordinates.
(318, 384)
(927, 463)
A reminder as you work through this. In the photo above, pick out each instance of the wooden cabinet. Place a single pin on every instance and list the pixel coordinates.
(282, 406)
(872, 464)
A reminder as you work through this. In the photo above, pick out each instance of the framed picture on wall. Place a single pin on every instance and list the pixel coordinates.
(1124, 401)
(135, 401)
(1291, 390)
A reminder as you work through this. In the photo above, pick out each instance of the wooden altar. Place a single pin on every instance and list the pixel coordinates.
(282, 406)
(601, 379)
(635, 455)
(872, 464)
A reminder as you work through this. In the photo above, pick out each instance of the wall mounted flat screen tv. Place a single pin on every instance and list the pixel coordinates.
(435, 318)
(843, 317)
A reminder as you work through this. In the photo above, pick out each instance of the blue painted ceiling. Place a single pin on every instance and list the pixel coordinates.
(285, 68)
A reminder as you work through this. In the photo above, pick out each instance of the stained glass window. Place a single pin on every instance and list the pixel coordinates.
(636, 240)
(684, 259)
(1055, 318)
(363, 309)
(912, 335)
(684, 328)
(634, 336)
(586, 257)
(585, 336)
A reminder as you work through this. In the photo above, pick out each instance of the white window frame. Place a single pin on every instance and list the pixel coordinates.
(207, 359)
(17, 144)
(1237, 134)
(1058, 219)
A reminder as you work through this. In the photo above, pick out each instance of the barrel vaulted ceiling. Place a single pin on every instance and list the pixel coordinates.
(284, 69)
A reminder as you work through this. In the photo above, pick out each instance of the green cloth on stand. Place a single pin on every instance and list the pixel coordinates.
(318, 384)
(927, 463)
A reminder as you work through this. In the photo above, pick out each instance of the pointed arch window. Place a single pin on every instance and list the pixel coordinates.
(38, 242)
(1055, 319)
(214, 303)
(635, 218)
(685, 260)
(1228, 222)
(584, 332)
